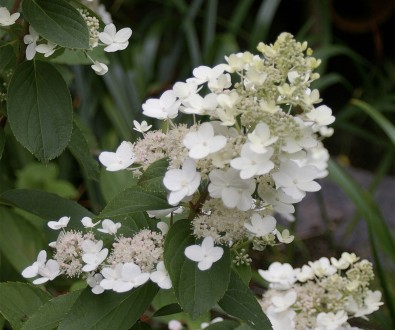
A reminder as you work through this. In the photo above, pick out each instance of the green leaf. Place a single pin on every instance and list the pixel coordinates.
(244, 272)
(2, 141)
(7, 56)
(366, 207)
(80, 150)
(168, 310)
(39, 109)
(110, 310)
(112, 183)
(19, 240)
(239, 301)
(52, 313)
(380, 120)
(19, 301)
(224, 325)
(129, 208)
(152, 178)
(196, 291)
(76, 56)
(57, 21)
(45, 205)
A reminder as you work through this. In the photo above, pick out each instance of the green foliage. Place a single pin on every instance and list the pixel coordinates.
(19, 301)
(196, 291)
(39, 109)
(49, 315)
(238, 301)
(57, 21)
(112, 311)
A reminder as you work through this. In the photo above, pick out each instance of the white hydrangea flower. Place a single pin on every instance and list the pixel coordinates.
(166, 107)
(161, 276)
(251, 163)
(163, 227)
(260, 139)
(304, 274)
(322, 267)
(6, 19)
(94, 283)
(330, 321)
(282, 301)
(48, 270)
(141, 128)
(227, 111)
(99, 68)
(301, 138)
(220, 83)
(88, 223)
(283, 320)
(295, 180)
(121, 159)
(123, 278)
(31, 41)
(199, 105)
(203, 74)
(234, 191)
(61, 223)
(205, 254)
(109, 227)
(371, 303)
(280, 276)
(47, 49)
(322, 115)
(203, 142)
(182, 182)
(284, 236)
(93, 254)
(175, 325)
(261, 226)
(115, 40)
(185, 90)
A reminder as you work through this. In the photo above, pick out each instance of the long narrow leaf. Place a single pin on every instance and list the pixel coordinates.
(383, 122)
(366, 207)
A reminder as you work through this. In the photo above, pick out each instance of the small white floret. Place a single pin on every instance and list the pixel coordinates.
(115, 40)
(61, 223)
(109, 227)
(119, 160)
(205, 254)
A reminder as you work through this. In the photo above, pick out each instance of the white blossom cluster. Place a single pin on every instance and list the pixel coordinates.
(255, 150)
(130, 262)
(321, 295)
(112, 39)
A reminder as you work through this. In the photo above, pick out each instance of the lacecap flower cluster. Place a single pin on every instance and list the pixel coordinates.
(323, 294)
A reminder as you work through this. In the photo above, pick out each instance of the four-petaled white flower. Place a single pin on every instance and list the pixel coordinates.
(203, 74)
(48, 270)
(99, 68)
(182, 182)
(330, 321)
(280, 276)
(260, 139)
(166, 107)
(203, 142)
(31, 41)
(141, 128)
(321, 115)
(47, 49)
(196, 104)
(251, 163)
(161, 276)
(322, 267)
(93, 254)
(94, 283)
(261, 226)
(88, 223)
(113, 39)
(234, 191)
(295, 180)
(205, 254)
(120, 159)
(109, 227)
(61, 223)
(6, 19)
(282, 302)
(124, 277)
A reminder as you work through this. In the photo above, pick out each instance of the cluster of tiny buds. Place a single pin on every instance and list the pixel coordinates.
(93, 26)
(242, 258)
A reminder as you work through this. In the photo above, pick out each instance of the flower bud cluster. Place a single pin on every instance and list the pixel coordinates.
(320, 294)
(128, 263)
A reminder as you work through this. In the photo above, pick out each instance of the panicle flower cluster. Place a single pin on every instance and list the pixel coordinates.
(323, 294)
(128, 263)
(258, 154)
